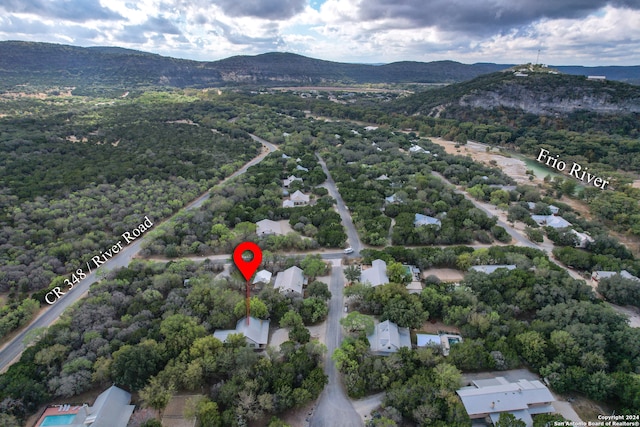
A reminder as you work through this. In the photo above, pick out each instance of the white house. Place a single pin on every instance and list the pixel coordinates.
(263, 277)
(489, 398)
(387, 338)
(420, 220)
(296, 199)
(393, 199)
(416, 149)
(290, 281)
(583, 239)
(302, 168)
(111, 409)
(597, 275)
(267, 227)
(255, 331)
(551, 221)
(376, 275)
(288, 181)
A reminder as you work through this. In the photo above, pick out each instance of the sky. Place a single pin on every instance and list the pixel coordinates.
(554, 32)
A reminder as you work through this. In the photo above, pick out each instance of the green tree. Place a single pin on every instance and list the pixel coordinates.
(180, 331)
(205, 410)
(357, 322)
(320, 290)
(398, 273)
(352, 273)
(133, 365)
(532, 346)
(313, 266)
(156, 395)
(313, 310)
(535, 235)
(507, 419)
(258, 308)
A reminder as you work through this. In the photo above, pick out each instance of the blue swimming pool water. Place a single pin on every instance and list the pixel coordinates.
(58, 420)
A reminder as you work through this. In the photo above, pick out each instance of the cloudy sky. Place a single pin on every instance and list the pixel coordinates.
(566, 32)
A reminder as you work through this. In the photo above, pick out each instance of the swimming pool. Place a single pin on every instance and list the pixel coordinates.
(58, 420)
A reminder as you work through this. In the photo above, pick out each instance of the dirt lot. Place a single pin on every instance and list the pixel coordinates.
(173, 415)
(444, 274)
(587, 409)
(435, 328)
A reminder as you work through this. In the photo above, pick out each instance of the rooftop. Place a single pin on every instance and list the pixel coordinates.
(376, 275)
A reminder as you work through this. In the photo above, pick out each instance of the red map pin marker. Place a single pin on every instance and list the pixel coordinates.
(247, 268)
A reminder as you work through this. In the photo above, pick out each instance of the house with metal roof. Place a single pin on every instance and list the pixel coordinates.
(296, 199)
(290, 180)
(551, 221)
(111, 409)
(388, 338)
(582, 239)
(376, 275)
(597, 275)
(255, 331)
(267, 227)
(290, 281)
(487, 399)
(420, 220)
(262, 277)
(488, 269)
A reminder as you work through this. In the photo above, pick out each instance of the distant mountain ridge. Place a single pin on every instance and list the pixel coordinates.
(30, 62)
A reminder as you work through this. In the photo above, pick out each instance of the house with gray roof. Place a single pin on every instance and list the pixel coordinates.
(267, 227)
(290, 281)
(111, 409)
(487, 399)
(290, 180)
(420, 220)
(376, 275)
(387, 338)
(597, 275)
(296, 199)
(551, 221)
(255, 331)
(488, 269)
(262, 277)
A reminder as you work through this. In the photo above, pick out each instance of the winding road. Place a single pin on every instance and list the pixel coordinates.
(11, 351)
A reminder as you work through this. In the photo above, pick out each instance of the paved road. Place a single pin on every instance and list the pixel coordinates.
(12, 350)
(334, 407)
(352, 234)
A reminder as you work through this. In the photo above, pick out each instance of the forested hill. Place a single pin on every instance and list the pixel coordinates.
(54, 64)
(541, 92)
(37, 63)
